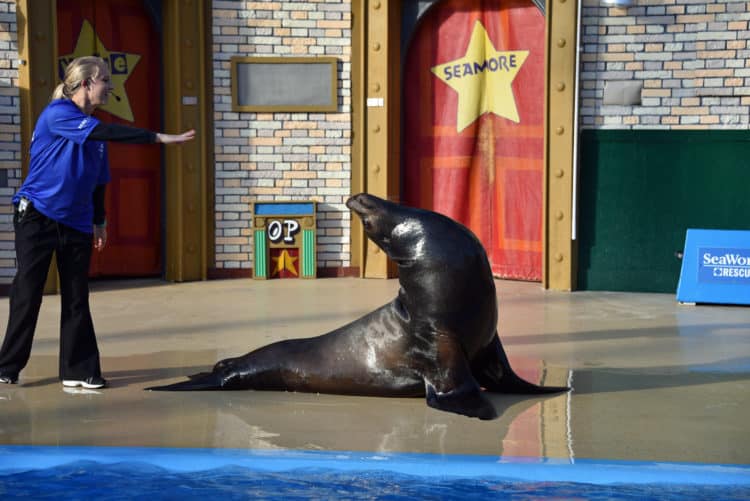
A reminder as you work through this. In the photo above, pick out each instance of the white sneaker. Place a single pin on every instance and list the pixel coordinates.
(93, 382)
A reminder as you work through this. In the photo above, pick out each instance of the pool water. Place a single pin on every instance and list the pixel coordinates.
(141, 473)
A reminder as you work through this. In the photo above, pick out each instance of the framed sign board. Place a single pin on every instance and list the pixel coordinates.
(284, 84)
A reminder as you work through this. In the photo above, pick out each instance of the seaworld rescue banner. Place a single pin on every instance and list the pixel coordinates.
(473, 125)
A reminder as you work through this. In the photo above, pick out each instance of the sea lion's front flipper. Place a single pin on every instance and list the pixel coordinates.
(449, 385)
(493, 372)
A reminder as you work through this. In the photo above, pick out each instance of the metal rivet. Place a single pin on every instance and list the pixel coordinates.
(376, 129)
(561, 42)
(560, 130)
(561, 86)
(376, 5)
(375, 87)
(376, 46)
(559, 173)
(559, 257)
(559, 216)
(377, 168)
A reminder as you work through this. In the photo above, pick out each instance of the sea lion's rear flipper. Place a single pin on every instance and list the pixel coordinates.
(449, 386)
(198, 382)
(492, 371)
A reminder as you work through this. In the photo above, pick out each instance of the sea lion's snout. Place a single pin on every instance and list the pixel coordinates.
(362, 203)
(365, 206)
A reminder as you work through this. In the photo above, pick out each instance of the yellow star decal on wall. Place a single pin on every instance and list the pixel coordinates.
(284, 262)
(121, 66)
(483, 79)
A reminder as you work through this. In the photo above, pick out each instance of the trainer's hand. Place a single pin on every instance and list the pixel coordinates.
(175, 138)
(100, 237)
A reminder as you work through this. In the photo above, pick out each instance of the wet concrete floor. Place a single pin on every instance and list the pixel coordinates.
(653, 380)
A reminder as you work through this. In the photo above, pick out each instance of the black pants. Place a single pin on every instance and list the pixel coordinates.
(37, 237)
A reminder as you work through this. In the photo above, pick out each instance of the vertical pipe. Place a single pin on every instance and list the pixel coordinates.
(576, 132)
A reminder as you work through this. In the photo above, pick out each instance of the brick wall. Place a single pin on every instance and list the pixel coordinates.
(692, 58)
(281, 156)
(10, 136)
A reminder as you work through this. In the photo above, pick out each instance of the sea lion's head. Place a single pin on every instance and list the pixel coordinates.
(394, 228)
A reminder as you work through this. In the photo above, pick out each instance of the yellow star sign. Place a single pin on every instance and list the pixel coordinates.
(483, 79)
(121, 66)
(284, 262)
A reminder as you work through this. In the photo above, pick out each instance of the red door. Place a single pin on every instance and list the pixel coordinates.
(123, 33)
(473, 125)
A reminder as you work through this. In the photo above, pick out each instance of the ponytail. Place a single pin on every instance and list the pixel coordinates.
(58, 93)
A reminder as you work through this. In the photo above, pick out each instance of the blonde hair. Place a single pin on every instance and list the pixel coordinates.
(77, 71)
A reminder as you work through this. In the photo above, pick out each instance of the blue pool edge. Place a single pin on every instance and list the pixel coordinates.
(21, 458)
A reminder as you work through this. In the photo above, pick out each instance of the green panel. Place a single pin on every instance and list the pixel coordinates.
(308, 253)
(261, 259)
(641, 190)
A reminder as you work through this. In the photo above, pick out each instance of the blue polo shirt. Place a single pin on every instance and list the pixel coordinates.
(65, 167)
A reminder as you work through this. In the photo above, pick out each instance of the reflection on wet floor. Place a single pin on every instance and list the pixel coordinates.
(653, 380)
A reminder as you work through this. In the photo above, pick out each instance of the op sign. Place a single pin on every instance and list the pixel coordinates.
(284, 240)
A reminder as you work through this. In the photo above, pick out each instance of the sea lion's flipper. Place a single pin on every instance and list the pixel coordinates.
(493, 373)
(467, 400)
(198, 382)
(449, 386)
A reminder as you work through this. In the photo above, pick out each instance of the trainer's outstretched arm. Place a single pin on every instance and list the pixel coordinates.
(175, 138)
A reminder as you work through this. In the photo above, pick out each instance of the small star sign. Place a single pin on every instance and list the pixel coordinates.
(121, 65)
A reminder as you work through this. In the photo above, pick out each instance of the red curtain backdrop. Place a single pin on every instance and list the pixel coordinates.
(488, 174)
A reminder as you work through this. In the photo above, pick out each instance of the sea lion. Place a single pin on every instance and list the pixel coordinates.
(437, 338)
